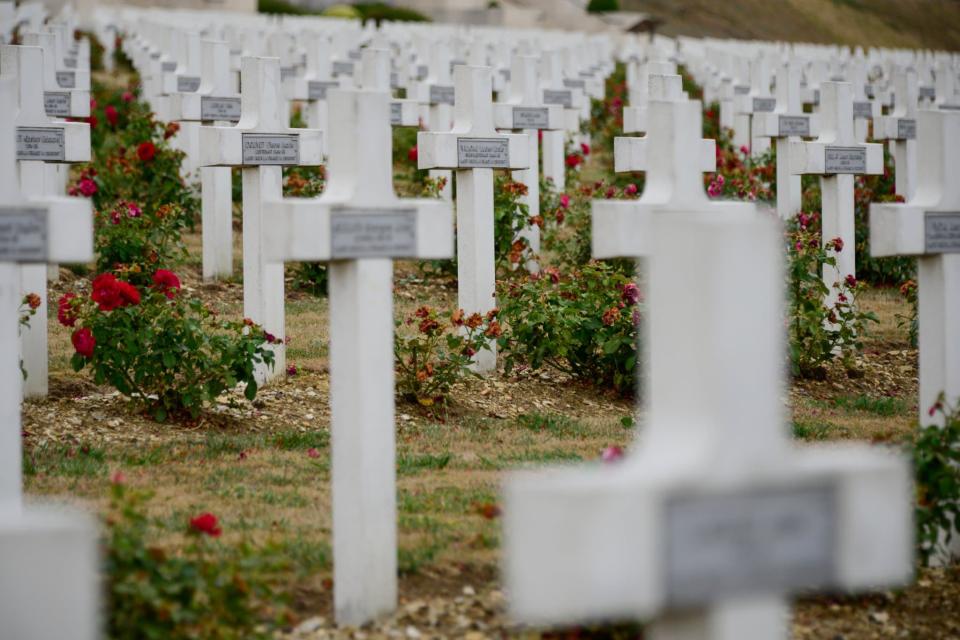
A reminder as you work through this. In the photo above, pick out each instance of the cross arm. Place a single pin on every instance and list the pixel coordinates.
(65, 223)
(528, 116)
(240, 146)
(53, 138)
(898, 229)
(824, 158)
(783, 125)
(404, 113)
(631, 154)
(448, 150)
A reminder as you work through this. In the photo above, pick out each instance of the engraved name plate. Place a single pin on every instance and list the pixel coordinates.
(845, 160)
(67, 79)
(530, 117)
(56, 103)
(906, 129)
(561, 97)
(396, 113)
(213, 108)
(868, 90)
(354, 55)
(862, 109)
(271, 148)
(188, 84)
(317, 89)
(574, 84)
(741, 90)
(343, 68)
(287, 72)
(816, 96)
(794, 126)
(764, 105)
(779, 539)
(23, 234)
(371, 233)
(394, 80)
(928, 92)
(168, 66)
(483, 152)
(941, 232)
(70, 63)
(422, 71)
(441, 94)
(40, 143)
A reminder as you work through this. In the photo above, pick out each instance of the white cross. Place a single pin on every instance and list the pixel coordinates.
(900, 128)
(317, 79)
(261, 143)
(525, 111)
(716, 518)
(70, 75)
(474, 148)
(57, 550)
(787, 122)
(758, 101)
(572, 100)
(635, 115)
(837, 157)
(359, 226)
(39, 140)
(437, 94)
(59, 102)
(375, 75)
(865, 110)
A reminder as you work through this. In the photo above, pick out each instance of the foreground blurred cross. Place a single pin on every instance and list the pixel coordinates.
(474, 149)
(39, 140)
(262, 142)
(716, 518)
(837, 157)
(359, 226)
(48, 559)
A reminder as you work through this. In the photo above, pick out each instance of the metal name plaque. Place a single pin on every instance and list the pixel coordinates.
(845, 160)
(394, 80)
(168, 66)
(441, 94)
(67, 79)
(343, 68)
(40, 143)
(563, 98)
(769, 539)
(941, 232)
(483, 153)
(354, 55)
(816, 96)
(794, 126)
(287, 72)
(574, 84)
(317, 89)
(225, 109)
(422, 71)
(396, 113)
(862, 109)
(369, 233)
(906, 129)
(741, 90)
(70, 63)
(928, 92)
(56, 103)
(23, 234)
(530, 117)
(764, 105)
(868, 90)
(271, 148)
(188, 84)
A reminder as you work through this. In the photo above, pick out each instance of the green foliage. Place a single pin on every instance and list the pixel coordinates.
(583, 323)
(431, 359)
(602, 6)
(134, 243)
(910, 292)
(281, 7)
(936, 461)
(379, 12)
(510, 217)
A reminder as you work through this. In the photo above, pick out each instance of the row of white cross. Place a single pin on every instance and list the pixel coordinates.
(716, 518)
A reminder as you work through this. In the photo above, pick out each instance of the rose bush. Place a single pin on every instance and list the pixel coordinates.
(134, 242)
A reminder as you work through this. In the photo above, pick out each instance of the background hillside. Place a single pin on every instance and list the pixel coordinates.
(891, 23)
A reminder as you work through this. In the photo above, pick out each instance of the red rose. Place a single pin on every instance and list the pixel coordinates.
(574, 160)
(32, 300)
(66, 314)
(206, 523)
(127, 96)
(838, 244)
(611, 454)
(92, 121)
(87, 187)
(166, 282)
(111, 113)
(146, 151)
(171, 130)
(585, 148)
(412, 154)
(630, 189)
(110, 293)
(83, 342)
(128, 293)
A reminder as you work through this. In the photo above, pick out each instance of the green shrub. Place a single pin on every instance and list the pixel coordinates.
(936, 461)
(135, 243)
(602, 6)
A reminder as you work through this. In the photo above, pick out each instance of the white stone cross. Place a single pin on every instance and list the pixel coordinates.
(523, 110)
(865, 110)
(787, 122)
(474, 148)
(375, 76)
(261, 143)
(437, 92)
(185, 78)
(39, 140)
(900, 128)
(48, 558)
(359, 226)
(317, 79)
(635, 115)
(58, 102)
(837, 157)
(758, 101)
(715, 519)
(572, 101)
(69, 74)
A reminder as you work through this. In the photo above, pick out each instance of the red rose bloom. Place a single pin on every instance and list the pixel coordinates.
(65, 311)
(110, 293)
(412, 154)
(111, 113)
(574, 160)
(83, 342)
(87, 187)
(206, 523)
(166, 282)
(585, 148)
(128, 293)
(127, 96)
(146, 151)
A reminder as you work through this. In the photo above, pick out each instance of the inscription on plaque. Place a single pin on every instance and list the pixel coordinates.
(441, 94)
(343, 68)
(530, 117)
(67, 79)
(741, 90)
(271, 148)
(422, 71)
(928, 92)
(317, 89)
(394, 80)
(483, 152)
(574, 84)
(845, 160)
(396, 113)
(816, 96)
(70, 63)
(768, 539)
(794, 126)
(941, 232)
(287, 72)
(213, 108)
(168, 66)
(906, 129)
(40, 143)
(56, 103)
(862, 109)
(23, 234)
(561, 97)
(188, 84)
(369, 233)
(868, 90)
(764, 105)
(354, 55)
